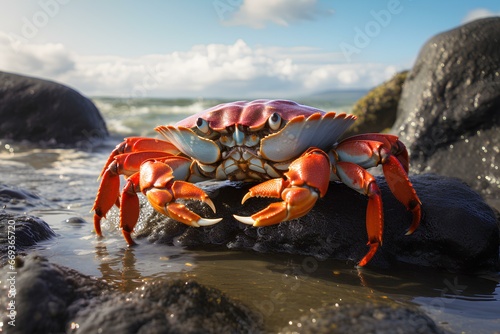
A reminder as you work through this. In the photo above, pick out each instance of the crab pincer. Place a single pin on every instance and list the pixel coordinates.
(306, 180)
(156, 181)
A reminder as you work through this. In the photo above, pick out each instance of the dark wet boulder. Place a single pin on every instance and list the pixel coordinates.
(55, 299)
(363, 318)
(21, 232)
(458, 232)
(377, 110)
(46, 112)
(449, 113)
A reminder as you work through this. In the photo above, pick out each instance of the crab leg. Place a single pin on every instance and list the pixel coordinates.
(371, 153)
(129, 207)
(140, 144)
(307, 179)
(355, 154)
(390, 142)
(357, 178)
(107, 195)
(403, 190)
(108, 192)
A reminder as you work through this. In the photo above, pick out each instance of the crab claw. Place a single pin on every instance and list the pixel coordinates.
(156, 181)
(109, 188)
(306, 180)
(162, 201)
(157, 184)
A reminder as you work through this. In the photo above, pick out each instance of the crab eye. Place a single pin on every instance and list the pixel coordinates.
(274, 121)
(202, 125)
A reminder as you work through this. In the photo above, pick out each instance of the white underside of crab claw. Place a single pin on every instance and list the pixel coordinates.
(208, 222)
(244, 220)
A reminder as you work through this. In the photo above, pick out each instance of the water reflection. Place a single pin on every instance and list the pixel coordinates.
(119, 271)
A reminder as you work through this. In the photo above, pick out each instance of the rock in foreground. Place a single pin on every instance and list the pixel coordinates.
(41, 111)
(55, 299)
(458, 232)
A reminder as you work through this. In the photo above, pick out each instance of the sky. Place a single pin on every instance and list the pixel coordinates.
(222, 48)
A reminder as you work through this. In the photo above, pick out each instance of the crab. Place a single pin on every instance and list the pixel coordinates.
(293, 152)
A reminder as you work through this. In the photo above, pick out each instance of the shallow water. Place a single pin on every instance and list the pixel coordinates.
(280, 287)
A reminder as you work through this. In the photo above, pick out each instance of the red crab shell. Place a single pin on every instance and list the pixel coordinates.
(252, 114)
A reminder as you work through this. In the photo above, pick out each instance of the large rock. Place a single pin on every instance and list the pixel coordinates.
(449, 112)
(458, 232)
(56, 299)
(42, 111)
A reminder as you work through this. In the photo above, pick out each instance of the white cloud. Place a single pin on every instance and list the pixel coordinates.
(478, 13)
(257, 13)
(38, 59)
(347, 76)
(233, 70)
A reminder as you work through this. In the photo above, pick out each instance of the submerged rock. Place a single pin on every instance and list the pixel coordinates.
(458, 231)
(55, 299)
(46, 112)
(22, 232)
(449, 113)
(367, 318)
(14, 198)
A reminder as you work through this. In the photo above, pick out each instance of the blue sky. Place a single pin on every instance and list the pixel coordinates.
(222, 48)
